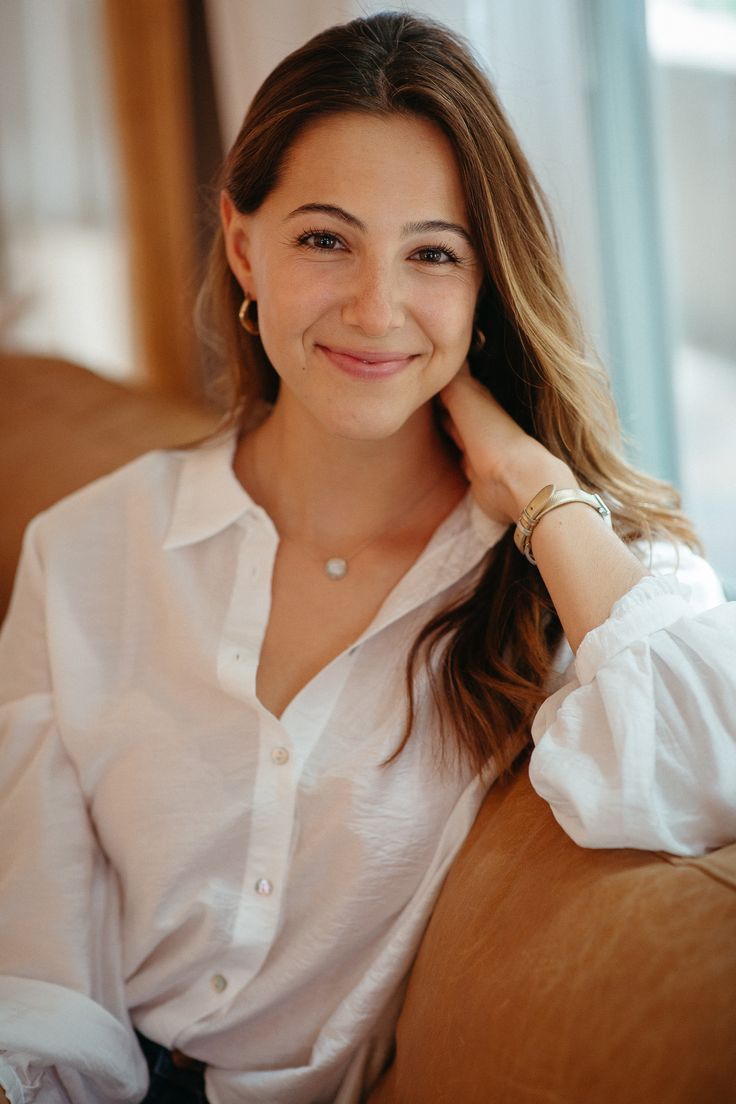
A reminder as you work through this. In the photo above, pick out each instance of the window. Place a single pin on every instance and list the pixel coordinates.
(692, 47)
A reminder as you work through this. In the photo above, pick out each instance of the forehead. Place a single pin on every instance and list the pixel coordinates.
(399, 163)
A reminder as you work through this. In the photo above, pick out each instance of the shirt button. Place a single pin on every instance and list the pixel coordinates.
(264, 887)
(219, 983)
(280, 755)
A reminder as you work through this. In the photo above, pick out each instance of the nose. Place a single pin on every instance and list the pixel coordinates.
(373, 299)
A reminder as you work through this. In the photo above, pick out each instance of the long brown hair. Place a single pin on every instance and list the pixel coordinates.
(489, 654)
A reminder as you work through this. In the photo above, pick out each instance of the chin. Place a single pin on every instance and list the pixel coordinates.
(365, 429)
(363, 423)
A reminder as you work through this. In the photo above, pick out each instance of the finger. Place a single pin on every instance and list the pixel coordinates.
(472, 406)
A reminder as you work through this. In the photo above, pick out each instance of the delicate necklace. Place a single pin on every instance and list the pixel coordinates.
(336, 567)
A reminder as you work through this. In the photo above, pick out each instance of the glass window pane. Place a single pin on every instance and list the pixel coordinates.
(692, 45)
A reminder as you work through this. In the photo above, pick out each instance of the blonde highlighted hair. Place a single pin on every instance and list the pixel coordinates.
(489, 654)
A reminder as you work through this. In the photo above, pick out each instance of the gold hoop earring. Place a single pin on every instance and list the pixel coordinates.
(479, 340)
(249, 325)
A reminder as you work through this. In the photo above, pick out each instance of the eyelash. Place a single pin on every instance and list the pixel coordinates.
(438, 247)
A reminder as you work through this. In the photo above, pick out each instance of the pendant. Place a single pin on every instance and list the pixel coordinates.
(336, 568)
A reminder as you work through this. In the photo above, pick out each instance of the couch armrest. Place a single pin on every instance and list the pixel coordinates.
(553, 973)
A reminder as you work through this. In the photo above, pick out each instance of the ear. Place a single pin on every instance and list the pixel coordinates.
(237, 246)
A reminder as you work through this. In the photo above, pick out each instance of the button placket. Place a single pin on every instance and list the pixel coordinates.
(247, 616)
(271, 826)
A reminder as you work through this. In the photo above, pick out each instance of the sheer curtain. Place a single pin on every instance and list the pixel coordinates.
(63, 275)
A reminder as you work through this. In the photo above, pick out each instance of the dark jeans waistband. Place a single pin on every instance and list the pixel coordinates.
(175, 1079)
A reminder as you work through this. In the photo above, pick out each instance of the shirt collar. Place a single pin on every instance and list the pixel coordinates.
(209, 496)
(455, 550)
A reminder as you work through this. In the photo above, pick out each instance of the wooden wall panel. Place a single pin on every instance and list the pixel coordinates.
(149, 58)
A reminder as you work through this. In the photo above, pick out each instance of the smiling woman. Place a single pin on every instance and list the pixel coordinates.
(365, 320)
(382, 290)
(340, 619)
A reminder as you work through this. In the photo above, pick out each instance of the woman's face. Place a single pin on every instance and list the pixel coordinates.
(363, 270)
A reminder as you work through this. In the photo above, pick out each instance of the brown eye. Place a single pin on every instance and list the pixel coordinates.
(320, 240)
(437, 255)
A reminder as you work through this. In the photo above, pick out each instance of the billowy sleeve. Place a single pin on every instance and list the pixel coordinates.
(638, 747)
(65, 1034)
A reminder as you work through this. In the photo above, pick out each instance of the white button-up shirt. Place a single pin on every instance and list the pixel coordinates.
(252, 890)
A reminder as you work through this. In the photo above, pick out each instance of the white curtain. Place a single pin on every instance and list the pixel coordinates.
(63, 273)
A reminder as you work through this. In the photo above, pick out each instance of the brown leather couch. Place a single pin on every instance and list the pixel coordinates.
(548, 974)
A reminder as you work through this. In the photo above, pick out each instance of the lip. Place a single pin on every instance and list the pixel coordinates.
(365, 364)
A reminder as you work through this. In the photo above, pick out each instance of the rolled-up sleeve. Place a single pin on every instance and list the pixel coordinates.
(638, 748)
(64, 1029)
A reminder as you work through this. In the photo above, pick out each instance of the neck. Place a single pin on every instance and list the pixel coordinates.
(332, 492)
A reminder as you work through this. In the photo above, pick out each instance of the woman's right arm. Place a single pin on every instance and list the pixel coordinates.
(62, 1003)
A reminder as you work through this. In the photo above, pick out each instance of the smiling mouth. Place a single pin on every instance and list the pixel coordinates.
(363, 364)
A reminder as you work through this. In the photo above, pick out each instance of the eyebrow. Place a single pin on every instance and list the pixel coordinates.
(429, 226)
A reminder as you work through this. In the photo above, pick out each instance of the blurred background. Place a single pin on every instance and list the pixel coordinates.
(114, 115)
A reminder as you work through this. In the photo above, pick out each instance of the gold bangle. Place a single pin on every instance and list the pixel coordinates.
(549, 498)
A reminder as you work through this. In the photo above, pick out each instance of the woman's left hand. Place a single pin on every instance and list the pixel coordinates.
(504, 465)
(584, 564)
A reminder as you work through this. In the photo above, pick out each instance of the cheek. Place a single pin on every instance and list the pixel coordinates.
(293, 301)
(447, 316)
(290, 304)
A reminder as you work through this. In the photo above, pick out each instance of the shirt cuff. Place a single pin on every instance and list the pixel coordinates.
(10, 1083)
(62, 1027)
(652, 604)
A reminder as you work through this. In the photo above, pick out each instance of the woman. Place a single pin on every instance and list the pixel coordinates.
(258, 689)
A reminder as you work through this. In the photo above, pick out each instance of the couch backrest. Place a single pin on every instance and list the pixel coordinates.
(61, 426)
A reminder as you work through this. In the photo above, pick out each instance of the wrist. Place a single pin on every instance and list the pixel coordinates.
(544, 502)
(524, 479)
